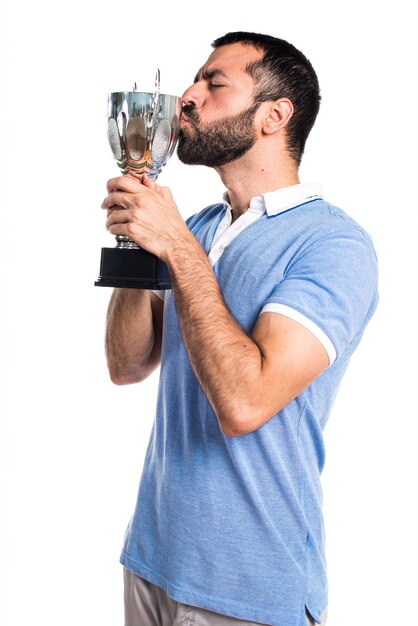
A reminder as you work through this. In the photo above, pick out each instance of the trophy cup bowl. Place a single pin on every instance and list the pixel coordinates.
(142, 131)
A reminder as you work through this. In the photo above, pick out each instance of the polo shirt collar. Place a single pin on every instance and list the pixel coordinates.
(283, 199)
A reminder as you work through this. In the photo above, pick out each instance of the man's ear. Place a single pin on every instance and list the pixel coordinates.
(277, 115)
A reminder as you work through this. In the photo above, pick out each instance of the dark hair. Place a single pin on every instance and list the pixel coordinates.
(283, 72)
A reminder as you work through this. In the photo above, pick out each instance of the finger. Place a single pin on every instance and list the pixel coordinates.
(114, 208)
(147, 182)
(119, 229)
(117, 217)
(124, 183)
(117, 198)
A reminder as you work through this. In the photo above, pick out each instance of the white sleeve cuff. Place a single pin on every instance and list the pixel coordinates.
(287, 311)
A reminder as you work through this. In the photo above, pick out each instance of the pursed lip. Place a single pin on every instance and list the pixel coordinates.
(185, 119)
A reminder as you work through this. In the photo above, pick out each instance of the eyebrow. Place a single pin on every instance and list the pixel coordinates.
(209, 74)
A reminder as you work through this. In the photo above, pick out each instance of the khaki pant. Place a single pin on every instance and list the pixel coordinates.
(148, 605)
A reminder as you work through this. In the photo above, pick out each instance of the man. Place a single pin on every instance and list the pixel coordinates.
(271, 292)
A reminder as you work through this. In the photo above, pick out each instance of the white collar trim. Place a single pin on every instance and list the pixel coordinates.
(272, 203)
(283, 199)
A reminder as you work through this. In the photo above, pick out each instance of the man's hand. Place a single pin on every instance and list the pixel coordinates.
(146, 213)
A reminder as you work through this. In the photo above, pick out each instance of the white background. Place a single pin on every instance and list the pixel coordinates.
(72, 444)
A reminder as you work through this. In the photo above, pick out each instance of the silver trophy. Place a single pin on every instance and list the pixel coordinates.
(142, 130)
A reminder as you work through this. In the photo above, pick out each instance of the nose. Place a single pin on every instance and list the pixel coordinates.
(194, 95)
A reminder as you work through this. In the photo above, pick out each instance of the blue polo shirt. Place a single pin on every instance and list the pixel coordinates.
(234, 525)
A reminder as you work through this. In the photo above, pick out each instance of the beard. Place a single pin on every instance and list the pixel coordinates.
(218, 142)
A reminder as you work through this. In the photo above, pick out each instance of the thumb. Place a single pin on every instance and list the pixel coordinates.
(147, 182)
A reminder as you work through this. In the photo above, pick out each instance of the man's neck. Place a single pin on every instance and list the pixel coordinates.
(244, 181)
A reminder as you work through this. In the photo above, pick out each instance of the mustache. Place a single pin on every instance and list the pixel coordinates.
(190, 112)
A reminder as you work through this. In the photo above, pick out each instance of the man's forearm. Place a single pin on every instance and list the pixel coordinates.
(225, 360)
(133, 338)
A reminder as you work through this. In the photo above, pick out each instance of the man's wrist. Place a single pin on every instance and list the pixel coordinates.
(183, 252)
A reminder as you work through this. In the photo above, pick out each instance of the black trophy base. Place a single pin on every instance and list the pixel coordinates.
(132, 268)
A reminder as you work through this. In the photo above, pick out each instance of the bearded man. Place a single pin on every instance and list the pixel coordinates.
(272, 289)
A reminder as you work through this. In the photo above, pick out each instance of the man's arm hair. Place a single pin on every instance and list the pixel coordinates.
(133, 335)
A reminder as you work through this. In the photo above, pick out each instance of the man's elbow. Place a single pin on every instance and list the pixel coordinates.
(121, 377)
(232, 431)
(240, 420)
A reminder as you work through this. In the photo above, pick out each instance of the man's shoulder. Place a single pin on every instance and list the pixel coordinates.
(203, 217)
(322, 220)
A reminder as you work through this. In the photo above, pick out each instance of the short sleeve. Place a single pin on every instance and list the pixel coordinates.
(330, 287)
(160, 293)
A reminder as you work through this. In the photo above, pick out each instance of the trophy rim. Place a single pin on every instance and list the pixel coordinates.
(145, 93)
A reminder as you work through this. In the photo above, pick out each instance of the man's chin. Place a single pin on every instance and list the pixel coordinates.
(184, 158)
(182, 152)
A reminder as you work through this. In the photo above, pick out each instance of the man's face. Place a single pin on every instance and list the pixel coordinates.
(217, 124)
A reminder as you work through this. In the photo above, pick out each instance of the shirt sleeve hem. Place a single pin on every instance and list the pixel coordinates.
(287, 311)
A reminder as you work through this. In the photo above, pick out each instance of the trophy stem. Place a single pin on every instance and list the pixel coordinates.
(123, 241)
